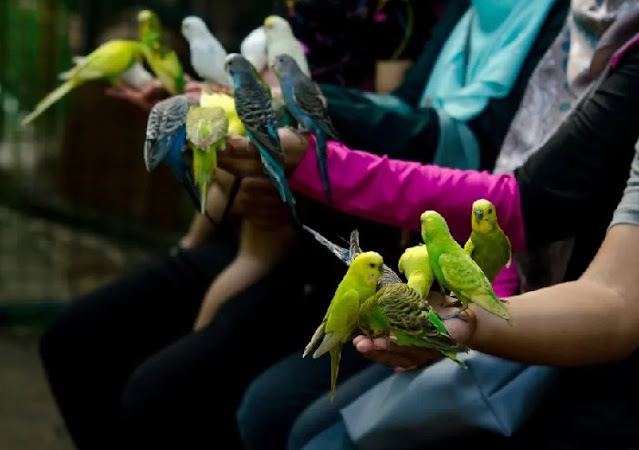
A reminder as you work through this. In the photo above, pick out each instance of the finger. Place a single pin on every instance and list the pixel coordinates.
(359, 338)
(241, 147)
(364, 345)
(417, 354)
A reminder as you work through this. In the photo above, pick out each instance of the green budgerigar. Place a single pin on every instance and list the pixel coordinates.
(342, 316)
(455, 269)
(488, 245)
(107, 62)
(402, 309)
(163, 60)
(206, 131)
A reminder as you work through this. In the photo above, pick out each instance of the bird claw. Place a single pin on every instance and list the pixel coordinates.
(456, 315)
(455, 303)
(503, 300)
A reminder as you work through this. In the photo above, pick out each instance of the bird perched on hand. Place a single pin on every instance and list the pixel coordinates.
(488, 245)
(254, 107)
(107, 62)
(281, 40)
(163, 60)
(306, 103)
(208, 56)
(457, 271)
(342, 316)
(166, 141)
(253, 48)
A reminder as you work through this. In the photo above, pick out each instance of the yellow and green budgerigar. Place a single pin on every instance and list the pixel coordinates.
(341, 319)
(206, 131)
(107, 62)
(456, 270)
(398, 310)
(402, 309)
(227, 103)
(163, 60)
(414, 264)
(488, 245)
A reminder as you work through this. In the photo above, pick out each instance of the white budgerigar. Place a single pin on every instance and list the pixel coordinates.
(280, 39)
(253, 48)
(207, 53)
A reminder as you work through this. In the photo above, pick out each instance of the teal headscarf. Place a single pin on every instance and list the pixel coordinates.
(483, 55)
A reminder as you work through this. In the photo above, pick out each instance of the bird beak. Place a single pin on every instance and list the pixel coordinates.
(382, 267)
(479, 214)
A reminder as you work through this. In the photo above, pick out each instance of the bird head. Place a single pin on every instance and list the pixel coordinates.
(484, 216)
(276, 27)
(193, 26)
(367, 267)
(235, 63)
(414, 259)
(432, 222)
(284, 63)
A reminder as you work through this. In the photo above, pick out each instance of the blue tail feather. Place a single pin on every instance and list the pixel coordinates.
(276, 173)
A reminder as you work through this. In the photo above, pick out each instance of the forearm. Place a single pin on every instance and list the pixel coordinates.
(592, 320)
(563, 325)
(396, 192)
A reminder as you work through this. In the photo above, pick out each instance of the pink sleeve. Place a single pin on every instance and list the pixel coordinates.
(396, 192)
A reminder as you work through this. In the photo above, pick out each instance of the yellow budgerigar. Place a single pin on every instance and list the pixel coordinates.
(162, 59)
(488, 245)
(107, 62)
(227, 103)
(341, 319)
(415, 265)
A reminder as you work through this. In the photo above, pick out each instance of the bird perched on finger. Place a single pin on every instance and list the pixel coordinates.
(306, 103)
(254, 108)
(281, 40)
(208, 56)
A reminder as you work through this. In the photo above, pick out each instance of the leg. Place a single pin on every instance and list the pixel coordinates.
(322, 413)
(91, 350)
(275, 399)
(185, 395)
(457, 315)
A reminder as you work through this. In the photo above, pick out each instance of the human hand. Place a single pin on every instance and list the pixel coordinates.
(258, 201)
(144, 98)
(193, 89)
(404, 357)
(242, 159)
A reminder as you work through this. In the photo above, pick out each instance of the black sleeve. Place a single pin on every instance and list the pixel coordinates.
(574, 182)
(413, 135)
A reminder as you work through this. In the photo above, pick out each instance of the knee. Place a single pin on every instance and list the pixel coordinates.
(257, 416)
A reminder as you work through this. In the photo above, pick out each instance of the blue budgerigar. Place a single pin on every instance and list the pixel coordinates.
(166, 141)
(306, 103)
(254, 107)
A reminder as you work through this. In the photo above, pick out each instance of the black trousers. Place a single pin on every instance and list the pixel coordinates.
(127, 371)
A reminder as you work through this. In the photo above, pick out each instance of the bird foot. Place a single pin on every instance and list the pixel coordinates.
(456, 315)
(503, 300)
(453, 302)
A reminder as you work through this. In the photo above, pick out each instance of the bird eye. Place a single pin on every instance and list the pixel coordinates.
(490, 210)
(372, 265)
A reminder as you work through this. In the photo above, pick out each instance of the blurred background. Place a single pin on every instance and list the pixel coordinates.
(77, 207)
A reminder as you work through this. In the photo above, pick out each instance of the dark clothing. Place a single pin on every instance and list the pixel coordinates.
(570, 187)
(414, 135)
(128, 372)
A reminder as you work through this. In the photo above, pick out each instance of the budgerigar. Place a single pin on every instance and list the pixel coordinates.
(107, 62)
(162, 59)
(415, 265)
(137, 76)
(281, 40)
(488, 245)
(208, 56)
(397, 309)
(166, 141)
(306, 103)
(227, 103)
(253, 48)
(206, 131)
(457, 271)
(342, 316)
(253, 105)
